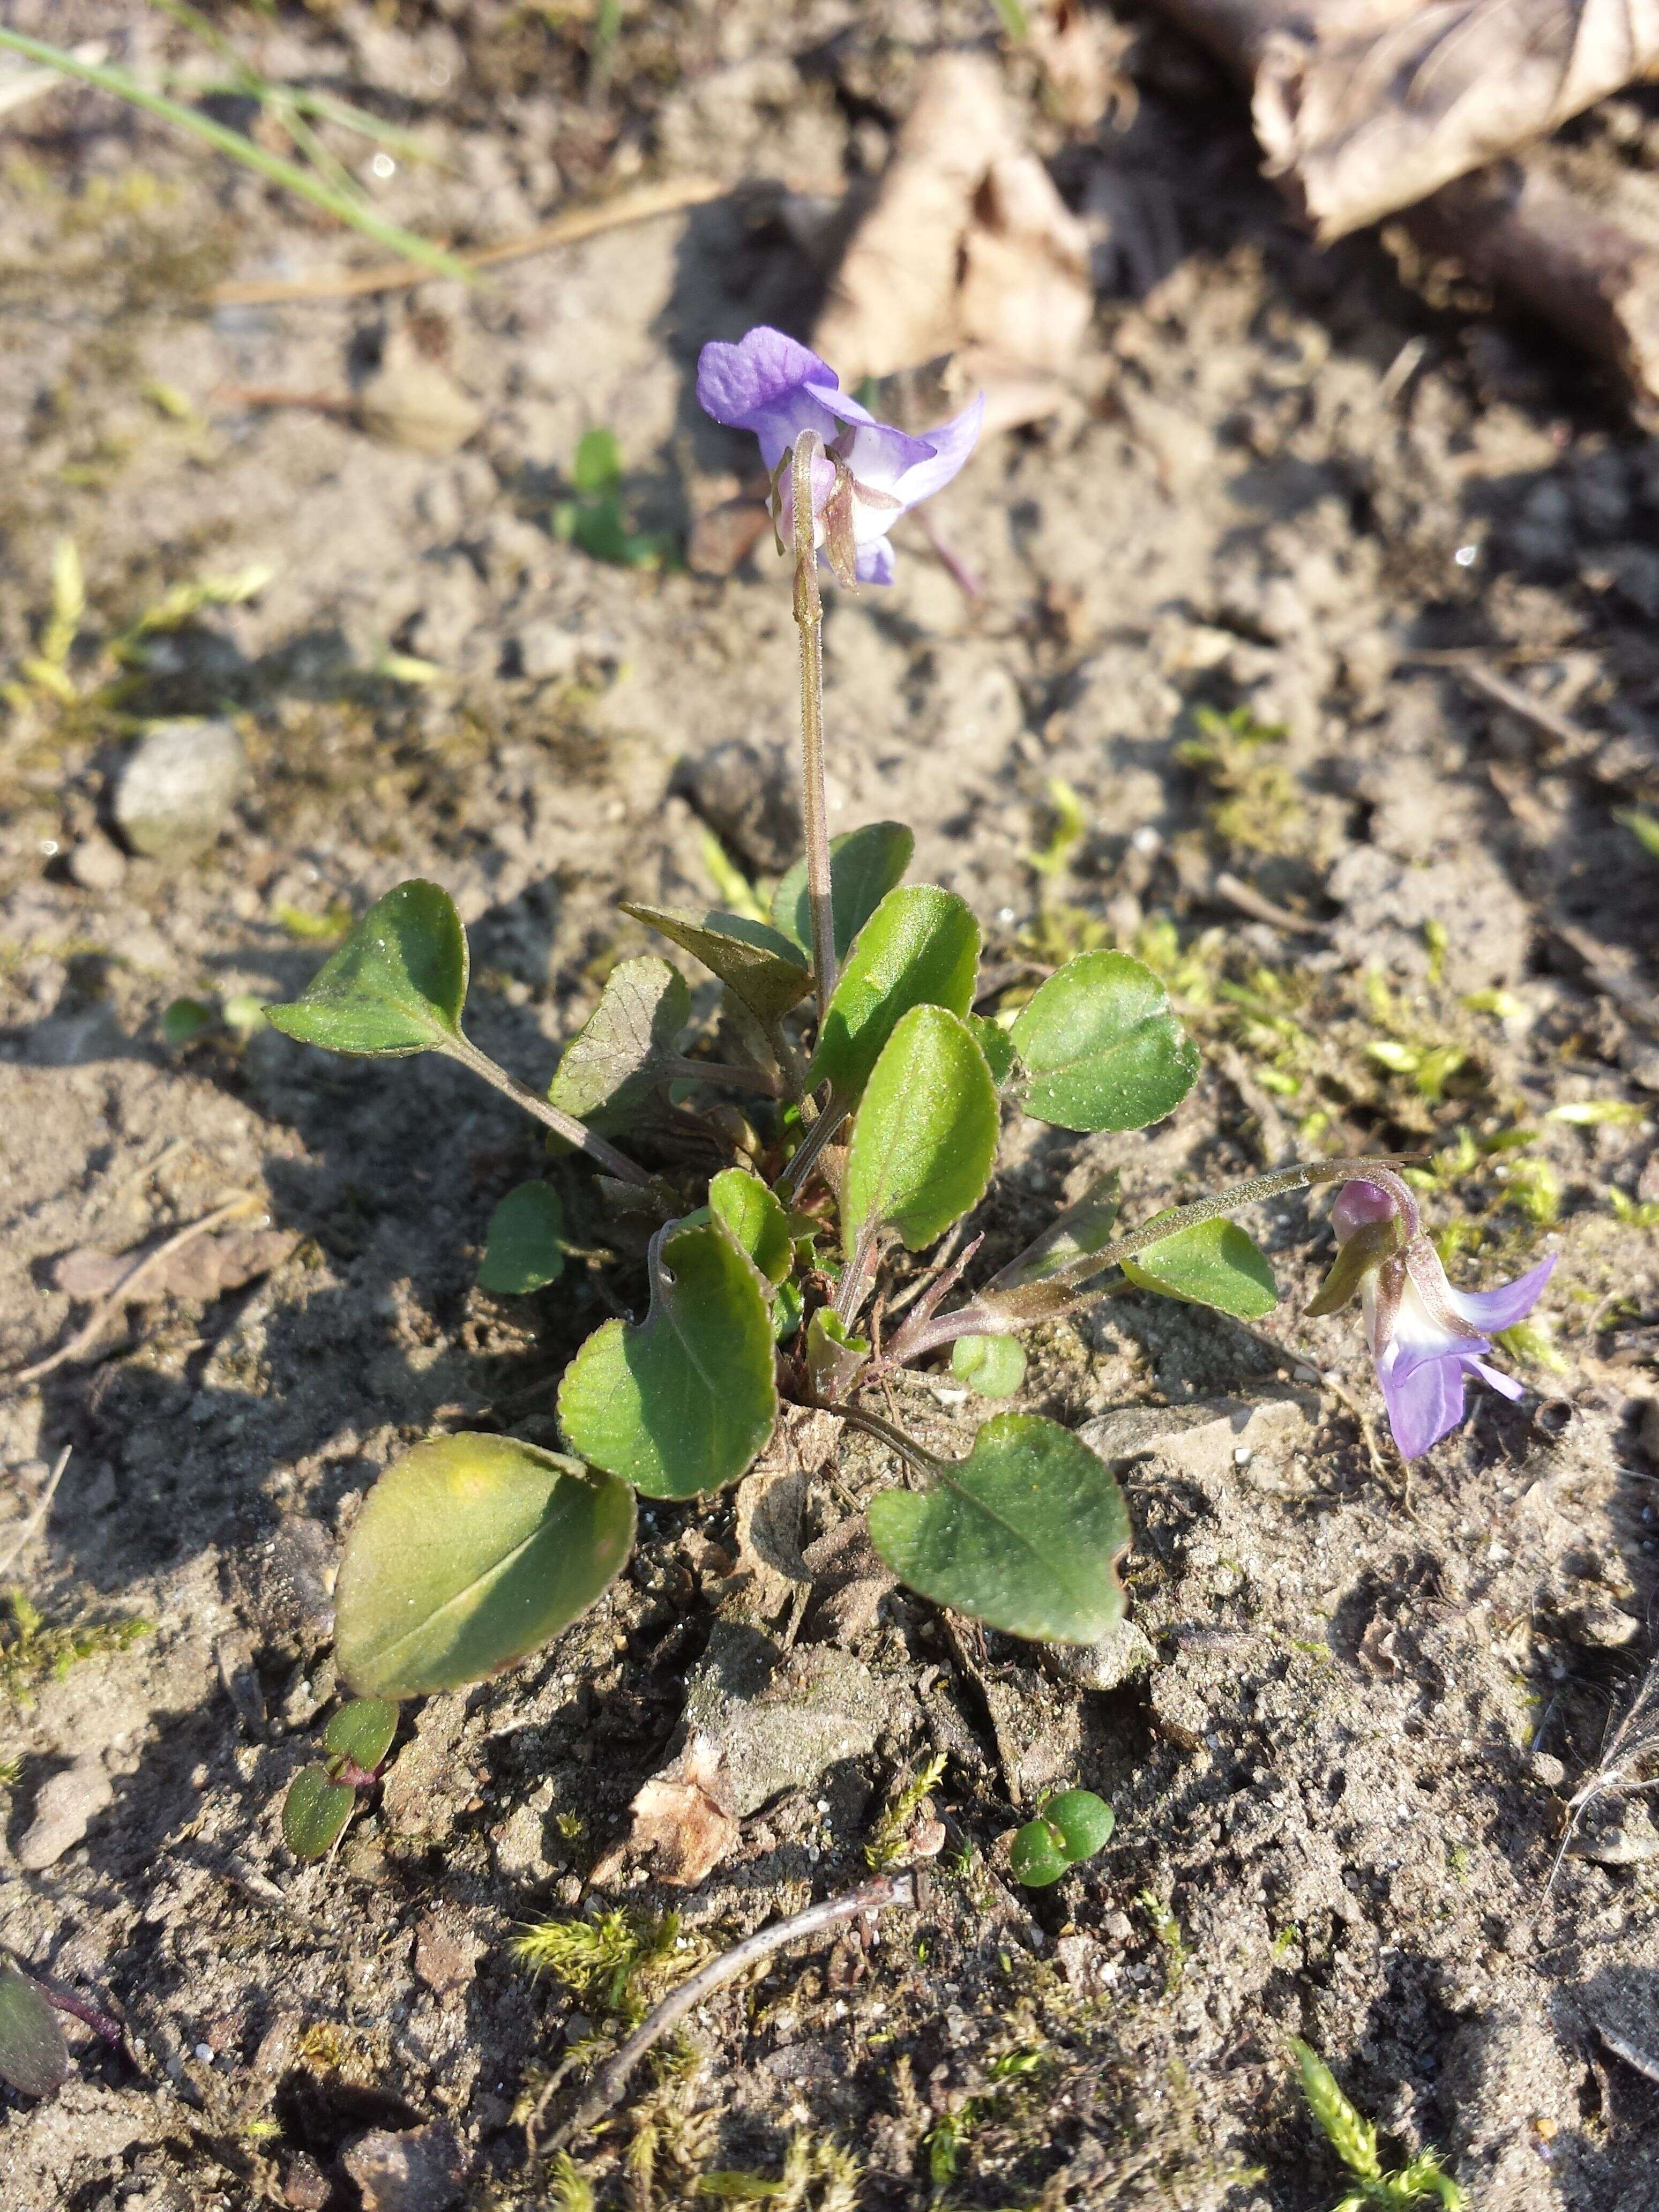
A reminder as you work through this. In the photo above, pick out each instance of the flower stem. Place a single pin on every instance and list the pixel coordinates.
(1004, 1313)
(809, 616)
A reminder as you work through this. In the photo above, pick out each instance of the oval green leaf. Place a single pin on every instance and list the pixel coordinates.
(617, 1054)
(685, 1401)
(758, 1224)
(925, 1137)
(34, 2056)
(991, 1366)
(396, 986)
(921, 947)
(1083, 1822)
(469, 1551)
(1103, 1048)
(315, 1812)
(762, 969)
(864, 865)
(362, 1731)
(1022, 1534)
(1214, 1263)
(524, 1249)
(1035, 1856)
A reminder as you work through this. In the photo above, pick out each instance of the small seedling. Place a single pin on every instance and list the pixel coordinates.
(1167, 1929)
(595, 520)
(1354, 2141)
(1068, 1829)
(321, 1798)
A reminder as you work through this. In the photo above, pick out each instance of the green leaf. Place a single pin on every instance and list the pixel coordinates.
(469, 1551)
(864, 865)
(925, 1137)
(525, 1248)
(684, 1401)
(921, 947)
(758, 1224)
(761, 967)
(396, 986)
(315, 1812)
(1214, 1263)
(1078, 1233)
(833, 1355)
(1103, 1048)
(598, 464)
(1022, 1534)
(1083, 1822)
(617, 1054)
(362, 1731)
(34, 2056)
(1068, 1829)
(992, 1366)
(184, 1019)
(1035, 1856)
(1644, 828)
(994, 1042)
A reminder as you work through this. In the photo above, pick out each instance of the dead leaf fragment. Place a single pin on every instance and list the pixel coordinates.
(1081, 52)
(203, 1270)
(410, 401)
(849, 1581)
(968, 250)
(679, 1816)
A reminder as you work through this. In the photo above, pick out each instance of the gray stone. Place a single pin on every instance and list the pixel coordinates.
(64, 1810)
(97, 863)
(421, 2170)
(1122, 1651)
(778, 1722)
(174, 795)
(547, 650)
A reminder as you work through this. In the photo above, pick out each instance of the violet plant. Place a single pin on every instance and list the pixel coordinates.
(797, 1272)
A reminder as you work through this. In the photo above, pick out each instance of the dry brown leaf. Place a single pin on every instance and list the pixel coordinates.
(969, 251)
(203, 1270)
(410, 401)
(1364, 107)
(679, 1816)
(1081, 52)
(849, 1581)
(769, 1503)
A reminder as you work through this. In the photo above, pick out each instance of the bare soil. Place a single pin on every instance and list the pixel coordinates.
(1341, 1777)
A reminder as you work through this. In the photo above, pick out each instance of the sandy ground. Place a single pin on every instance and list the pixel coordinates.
(1340, 1776)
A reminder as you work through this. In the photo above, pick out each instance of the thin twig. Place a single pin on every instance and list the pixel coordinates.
(1239, 894)
(641, 206)
(1514, 700)
(35, 1519)
(612, 2080)
(139, 1273)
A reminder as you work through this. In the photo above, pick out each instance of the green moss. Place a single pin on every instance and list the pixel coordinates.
(33, 1650)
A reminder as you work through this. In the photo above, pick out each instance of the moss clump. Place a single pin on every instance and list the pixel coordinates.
(33, 1650)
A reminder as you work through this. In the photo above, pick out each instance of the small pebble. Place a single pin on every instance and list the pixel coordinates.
(97, 864)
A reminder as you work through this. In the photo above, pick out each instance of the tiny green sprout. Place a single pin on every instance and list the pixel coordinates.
(595, 520)
(183, 1020)
(1069, 1828)
(1167, 1929)
(321, 1798)
(1644, 828)
(1354, 2138)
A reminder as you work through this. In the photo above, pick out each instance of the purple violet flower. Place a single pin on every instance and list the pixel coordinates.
(1425, 1337)
(777, 388)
